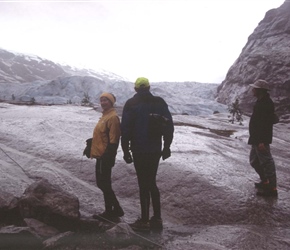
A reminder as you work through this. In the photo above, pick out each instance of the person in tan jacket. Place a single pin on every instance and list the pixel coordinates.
(104, 147)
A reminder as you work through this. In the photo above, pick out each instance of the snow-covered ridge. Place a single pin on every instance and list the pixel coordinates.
(16, 67)
(29, 78)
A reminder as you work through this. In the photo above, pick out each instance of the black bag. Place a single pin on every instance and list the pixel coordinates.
(87, 150)
(157, 122)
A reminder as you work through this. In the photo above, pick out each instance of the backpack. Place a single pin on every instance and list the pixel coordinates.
(157, 122)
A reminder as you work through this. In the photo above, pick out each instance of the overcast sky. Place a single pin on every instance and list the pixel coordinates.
(163, 40)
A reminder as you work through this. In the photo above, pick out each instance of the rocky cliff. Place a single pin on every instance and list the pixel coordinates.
(266, 55)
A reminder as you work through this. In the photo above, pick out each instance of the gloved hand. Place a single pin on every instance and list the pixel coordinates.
(127, 157)
(87, 150)
(109, 156)
(166, 153)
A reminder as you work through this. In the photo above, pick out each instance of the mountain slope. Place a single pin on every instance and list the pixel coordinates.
(20, 68)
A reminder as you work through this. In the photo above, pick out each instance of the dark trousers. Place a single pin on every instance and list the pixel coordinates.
(264, 164)
(103, 179)
(146, 166)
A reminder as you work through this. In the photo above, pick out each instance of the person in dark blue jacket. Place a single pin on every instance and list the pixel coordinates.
(261, 133)
(146, 120)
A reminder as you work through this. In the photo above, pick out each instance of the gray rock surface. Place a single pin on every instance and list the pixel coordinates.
(265, 56)
(207, 187)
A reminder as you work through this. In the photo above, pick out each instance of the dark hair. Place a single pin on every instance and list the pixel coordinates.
(261, 91)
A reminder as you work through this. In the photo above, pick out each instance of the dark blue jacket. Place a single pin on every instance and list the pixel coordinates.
(261, 122)
(135, 132)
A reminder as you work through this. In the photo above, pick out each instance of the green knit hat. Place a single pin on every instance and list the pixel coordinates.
(142, 82)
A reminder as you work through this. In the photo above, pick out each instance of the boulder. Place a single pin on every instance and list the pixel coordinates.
(51, 205)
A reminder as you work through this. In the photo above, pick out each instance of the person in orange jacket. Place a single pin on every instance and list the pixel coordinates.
(104, 147)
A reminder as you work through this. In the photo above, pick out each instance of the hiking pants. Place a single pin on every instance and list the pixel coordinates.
(103, 179)
(146, 166)
(264, 164)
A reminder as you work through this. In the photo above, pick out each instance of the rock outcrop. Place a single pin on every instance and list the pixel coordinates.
(49, 204)
(265, 56)
(47, 217)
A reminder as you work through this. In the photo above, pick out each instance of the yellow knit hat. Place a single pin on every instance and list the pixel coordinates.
(142, 82)
(110, 96)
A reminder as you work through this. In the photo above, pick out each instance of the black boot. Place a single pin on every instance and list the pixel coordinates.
(268, 190)
(118, 211)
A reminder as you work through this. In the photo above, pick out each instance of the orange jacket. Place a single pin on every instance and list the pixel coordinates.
(106, 131)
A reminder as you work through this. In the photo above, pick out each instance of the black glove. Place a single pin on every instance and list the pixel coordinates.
(166, 153)
(87, 150)
(127, 157)
(109, 156)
